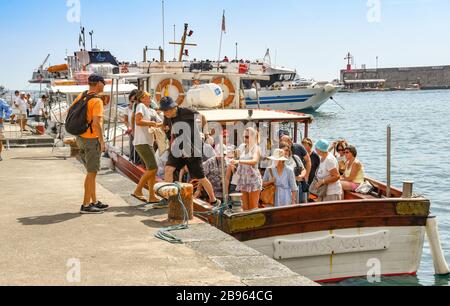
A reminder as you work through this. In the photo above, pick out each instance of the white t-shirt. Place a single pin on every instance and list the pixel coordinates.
(142, 134)
(15, 107)
(38, 110)
(22, 105)
(323, 173)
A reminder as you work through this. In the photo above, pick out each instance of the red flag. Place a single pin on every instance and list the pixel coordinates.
(224, 27)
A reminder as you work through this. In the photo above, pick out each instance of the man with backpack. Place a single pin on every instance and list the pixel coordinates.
(85, 120)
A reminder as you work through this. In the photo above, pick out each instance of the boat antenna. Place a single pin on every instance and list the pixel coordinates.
(163, 25)
(91, 33)
(174, 39)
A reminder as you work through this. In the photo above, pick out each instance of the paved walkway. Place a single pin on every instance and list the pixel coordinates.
(44, 239)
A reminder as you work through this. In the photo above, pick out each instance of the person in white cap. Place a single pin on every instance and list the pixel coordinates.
(283, 178)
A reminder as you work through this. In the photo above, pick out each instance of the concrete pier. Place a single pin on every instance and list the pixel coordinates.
(45, 241)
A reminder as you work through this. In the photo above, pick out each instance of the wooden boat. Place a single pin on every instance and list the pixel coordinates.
(326, 242)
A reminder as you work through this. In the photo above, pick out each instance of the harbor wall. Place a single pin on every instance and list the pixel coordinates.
(432, 77)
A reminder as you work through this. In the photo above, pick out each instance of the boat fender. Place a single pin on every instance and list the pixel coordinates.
(329, 88)
(440, 263)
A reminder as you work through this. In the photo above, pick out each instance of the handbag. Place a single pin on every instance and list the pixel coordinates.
(318, 192)
(268, 193)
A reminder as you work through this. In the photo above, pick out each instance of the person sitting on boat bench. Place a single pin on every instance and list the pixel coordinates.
(181, 123)
(354, 175)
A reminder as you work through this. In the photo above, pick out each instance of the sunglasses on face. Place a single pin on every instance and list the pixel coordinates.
(247, 137)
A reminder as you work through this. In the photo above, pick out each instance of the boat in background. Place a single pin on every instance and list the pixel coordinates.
(245, 85)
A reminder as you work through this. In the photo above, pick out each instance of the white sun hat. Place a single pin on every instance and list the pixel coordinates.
(278, 155)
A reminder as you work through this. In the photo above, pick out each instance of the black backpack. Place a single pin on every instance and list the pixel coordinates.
(76, 122)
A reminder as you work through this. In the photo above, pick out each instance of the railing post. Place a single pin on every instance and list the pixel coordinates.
(389, 154)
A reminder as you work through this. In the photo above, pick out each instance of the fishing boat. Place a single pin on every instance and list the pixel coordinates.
(381, 232)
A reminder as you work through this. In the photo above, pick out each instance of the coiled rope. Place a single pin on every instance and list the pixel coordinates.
(164, 233)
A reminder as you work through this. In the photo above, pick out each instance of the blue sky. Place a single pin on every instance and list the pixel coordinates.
(311, 36)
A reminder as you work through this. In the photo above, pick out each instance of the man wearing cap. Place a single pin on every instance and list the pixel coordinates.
(182, 125)
(5, 112)
(92, 144)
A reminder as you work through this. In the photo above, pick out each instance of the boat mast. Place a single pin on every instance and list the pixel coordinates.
(183, 43)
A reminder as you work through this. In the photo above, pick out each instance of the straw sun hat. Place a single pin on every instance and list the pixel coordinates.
(278, 155)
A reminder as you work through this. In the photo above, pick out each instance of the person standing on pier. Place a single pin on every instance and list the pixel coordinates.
(182, 126)
(92, 143)
(5, 112)
(21, 105)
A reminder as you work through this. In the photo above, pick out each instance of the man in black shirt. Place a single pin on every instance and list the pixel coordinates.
(186, 145)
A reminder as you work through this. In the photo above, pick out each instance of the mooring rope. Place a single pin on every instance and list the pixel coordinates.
(164, 233)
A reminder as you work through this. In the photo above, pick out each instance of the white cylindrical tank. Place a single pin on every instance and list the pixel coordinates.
(205, 96)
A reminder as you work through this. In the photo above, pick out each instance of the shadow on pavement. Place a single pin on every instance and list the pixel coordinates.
(48, 220)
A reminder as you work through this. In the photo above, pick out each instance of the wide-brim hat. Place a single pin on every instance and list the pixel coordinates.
(166, 104)
(278, 155)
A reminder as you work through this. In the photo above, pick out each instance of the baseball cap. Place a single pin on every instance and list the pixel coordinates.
(166, 104)
(95, 78)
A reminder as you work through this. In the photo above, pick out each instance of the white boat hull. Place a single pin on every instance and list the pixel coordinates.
(398, 250)
(291, 99)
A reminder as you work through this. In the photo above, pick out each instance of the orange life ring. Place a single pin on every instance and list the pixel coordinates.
(170, 82)
(221, 81)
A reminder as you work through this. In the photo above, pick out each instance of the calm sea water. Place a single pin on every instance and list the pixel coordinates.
(421, 152)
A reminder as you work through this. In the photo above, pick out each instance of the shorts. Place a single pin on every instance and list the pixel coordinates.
(2, 136)
(90, 153)
(21, 116)
(147, 155)
(194, 164)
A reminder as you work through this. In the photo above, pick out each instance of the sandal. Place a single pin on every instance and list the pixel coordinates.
(139, 198)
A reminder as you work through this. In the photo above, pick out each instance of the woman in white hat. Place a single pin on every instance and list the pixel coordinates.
(283, 178)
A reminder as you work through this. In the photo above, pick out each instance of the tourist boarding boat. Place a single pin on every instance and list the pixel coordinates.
(329, 241)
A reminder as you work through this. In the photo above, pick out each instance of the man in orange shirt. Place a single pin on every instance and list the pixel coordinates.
(92, 144)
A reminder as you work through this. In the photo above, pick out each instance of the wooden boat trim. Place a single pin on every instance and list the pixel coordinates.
(270, 222)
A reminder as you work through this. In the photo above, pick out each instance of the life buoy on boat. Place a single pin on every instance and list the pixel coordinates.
(165, 84)
(224, 82)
